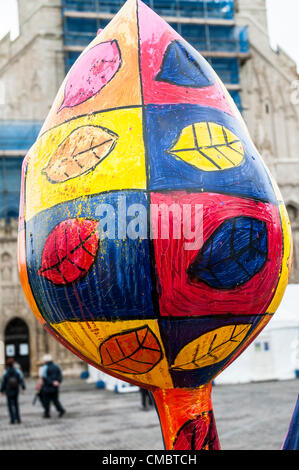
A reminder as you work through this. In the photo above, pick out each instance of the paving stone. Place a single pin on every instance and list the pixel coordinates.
(248, 416)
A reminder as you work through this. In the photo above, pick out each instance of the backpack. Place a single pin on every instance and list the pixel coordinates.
(12, 381)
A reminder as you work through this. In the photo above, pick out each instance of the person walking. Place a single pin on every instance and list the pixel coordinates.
(52, 378)
(11, 382)
(146, 399)
(39, 386)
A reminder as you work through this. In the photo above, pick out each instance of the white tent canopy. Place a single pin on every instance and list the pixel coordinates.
(287, 314)
(274, 354)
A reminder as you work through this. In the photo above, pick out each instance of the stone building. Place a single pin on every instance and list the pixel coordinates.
(21, 334)
(32, 68)
(271, 110)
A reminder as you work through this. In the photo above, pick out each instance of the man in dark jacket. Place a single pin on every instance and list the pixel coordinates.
(11, 382)
(52, 378)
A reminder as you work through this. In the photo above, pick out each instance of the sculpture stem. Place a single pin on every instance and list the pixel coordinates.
(187, 418)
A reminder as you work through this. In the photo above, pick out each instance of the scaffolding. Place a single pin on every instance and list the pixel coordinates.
(16, 137)
(220, 9)
(209, 25)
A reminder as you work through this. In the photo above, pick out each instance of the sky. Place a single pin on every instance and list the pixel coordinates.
(283, 19)
(8, 18)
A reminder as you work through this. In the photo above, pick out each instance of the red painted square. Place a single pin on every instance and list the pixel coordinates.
(155, 36)
(181, 297)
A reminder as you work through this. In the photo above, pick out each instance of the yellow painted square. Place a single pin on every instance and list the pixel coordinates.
(87, 337)
(123, 168)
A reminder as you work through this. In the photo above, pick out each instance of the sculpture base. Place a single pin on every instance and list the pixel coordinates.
(187, 418)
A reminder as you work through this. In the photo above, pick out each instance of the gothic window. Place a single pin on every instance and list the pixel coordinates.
(6, 267)
(10, 181)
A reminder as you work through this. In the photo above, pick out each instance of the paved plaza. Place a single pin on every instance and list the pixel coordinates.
(250, 416)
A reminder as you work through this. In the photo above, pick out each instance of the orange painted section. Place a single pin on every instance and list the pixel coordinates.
(178, 406)
(123, 29)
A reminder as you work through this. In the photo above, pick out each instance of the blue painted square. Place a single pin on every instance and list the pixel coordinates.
(164, 123)
(177, 333)
(118, 284)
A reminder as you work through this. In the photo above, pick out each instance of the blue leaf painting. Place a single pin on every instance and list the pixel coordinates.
(184, 66)
(232, 255)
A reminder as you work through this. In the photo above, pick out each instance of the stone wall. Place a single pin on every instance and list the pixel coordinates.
(32, 66)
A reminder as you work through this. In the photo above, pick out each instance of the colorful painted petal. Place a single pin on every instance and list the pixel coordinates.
(184, 66)
(210, 348)
(192, 434)
(234, 253)
(91, 73)
(80, 153)
(131, 352)
(208, 146)
(198, 434)
(69, 251)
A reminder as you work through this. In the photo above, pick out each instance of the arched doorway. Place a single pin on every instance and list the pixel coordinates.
(17, 343)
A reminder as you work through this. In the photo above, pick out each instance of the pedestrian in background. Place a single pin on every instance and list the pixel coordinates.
(52, 378)
(12, 381)
(39, 386)
(146, 399)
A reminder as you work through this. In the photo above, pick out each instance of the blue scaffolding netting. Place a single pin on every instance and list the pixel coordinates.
(10, 181)
(16, 136)
(81, 31)
(227, 38)
(221, 9)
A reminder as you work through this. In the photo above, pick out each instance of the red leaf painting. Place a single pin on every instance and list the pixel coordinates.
(69, 251)
(198, 434)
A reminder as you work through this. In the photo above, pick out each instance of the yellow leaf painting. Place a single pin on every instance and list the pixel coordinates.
(208, 146)
(210, 348)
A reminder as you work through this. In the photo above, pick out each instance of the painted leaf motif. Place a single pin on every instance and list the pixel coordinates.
(198, 434)
(184, 66)
(208, 146)
(131, 352)
(192, 434)
(233, 254)
(69, 251)
(92, 71)
(80, 153)
(210, 348)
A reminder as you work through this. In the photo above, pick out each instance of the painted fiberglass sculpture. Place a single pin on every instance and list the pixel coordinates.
(153, 242)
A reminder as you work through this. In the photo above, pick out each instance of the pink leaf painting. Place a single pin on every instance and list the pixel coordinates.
(91, 73)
